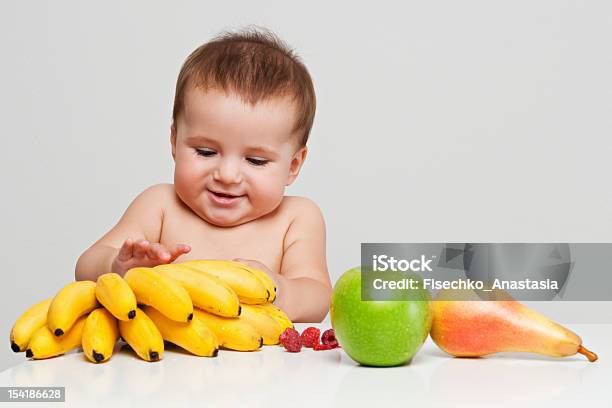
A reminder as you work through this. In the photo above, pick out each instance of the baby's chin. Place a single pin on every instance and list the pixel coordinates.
(228, 219)
(226, 223)
(225, 220)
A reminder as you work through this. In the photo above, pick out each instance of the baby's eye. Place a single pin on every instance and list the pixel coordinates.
(257, 162)
(205, 152)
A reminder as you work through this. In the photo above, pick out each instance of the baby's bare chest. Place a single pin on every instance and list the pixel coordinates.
(258, 240)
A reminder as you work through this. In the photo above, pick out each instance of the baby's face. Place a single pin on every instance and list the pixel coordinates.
(233, 160)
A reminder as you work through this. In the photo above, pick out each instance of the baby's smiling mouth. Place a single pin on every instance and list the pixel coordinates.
(219, 194)
(223, 198)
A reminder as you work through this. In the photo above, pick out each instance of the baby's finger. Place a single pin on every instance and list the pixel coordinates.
(125, 252)
(140, 248)
(180, 250)
(158, 251)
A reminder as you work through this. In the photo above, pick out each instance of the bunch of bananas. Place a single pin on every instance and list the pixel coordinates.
(198, 305)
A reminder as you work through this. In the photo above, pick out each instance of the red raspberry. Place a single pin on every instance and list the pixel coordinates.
(329, 337)
(325, 346)
(290, 339)
(310, 337)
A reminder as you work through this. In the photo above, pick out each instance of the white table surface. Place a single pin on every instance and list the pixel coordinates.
(274, 377)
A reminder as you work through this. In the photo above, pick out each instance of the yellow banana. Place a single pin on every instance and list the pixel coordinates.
(276, 313)
(232, 333)
(44, 344)
(113, 292)
(71, 302)
(166, 295)
(206, 291)
(247, 285)
(269, 328)
(33, 318)
(193, 336)
(99, 335)
(265, 279)
(143, 336)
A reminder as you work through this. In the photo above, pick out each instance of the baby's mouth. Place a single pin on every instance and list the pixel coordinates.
(223, 195)
(224, 198)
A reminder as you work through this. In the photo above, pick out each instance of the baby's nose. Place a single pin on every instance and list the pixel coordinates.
(228, 172)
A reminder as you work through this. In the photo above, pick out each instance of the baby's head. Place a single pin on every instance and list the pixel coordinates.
(243, 110)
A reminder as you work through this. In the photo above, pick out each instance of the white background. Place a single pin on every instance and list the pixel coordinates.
(470, 121)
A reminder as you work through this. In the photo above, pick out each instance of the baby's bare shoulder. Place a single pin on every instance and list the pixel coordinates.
(156, 198)
(301, 208)
(142, 219)
(158, 194)
(162, 189)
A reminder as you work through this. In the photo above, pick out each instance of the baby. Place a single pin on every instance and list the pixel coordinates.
(243, 111)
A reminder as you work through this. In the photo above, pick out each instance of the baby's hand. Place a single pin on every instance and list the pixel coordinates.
(256, 264)
(144, 253)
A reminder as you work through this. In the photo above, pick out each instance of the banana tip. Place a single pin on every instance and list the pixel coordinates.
(190, 317)
(15, 347)
(97, 356)
(29, 353)
(58, 332)
(154, 355)
(131, 314)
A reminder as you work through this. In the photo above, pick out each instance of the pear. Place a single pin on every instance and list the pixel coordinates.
(465, 325)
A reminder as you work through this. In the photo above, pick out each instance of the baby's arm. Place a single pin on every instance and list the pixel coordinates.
(132, 242)
(304, 286)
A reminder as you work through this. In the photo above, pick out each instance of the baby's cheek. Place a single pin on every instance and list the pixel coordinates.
(185, 180)
(187, 172)
(269, 193)
(180, 175)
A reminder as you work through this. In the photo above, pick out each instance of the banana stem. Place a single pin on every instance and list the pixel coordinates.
(588, 353)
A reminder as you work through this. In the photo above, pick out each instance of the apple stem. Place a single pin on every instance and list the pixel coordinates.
(588, 353)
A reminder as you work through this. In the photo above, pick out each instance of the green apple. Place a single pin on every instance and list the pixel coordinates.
(378, 333)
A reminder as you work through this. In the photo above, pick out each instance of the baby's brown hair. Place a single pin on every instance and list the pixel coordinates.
(255, 64)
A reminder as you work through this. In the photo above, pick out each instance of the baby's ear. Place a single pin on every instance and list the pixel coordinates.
(173, 140)
(296, 164)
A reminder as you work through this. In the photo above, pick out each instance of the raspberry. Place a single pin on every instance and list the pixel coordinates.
(329, 337)
(325, 346)
(290, 339)
(310, 337)
(288, 334)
